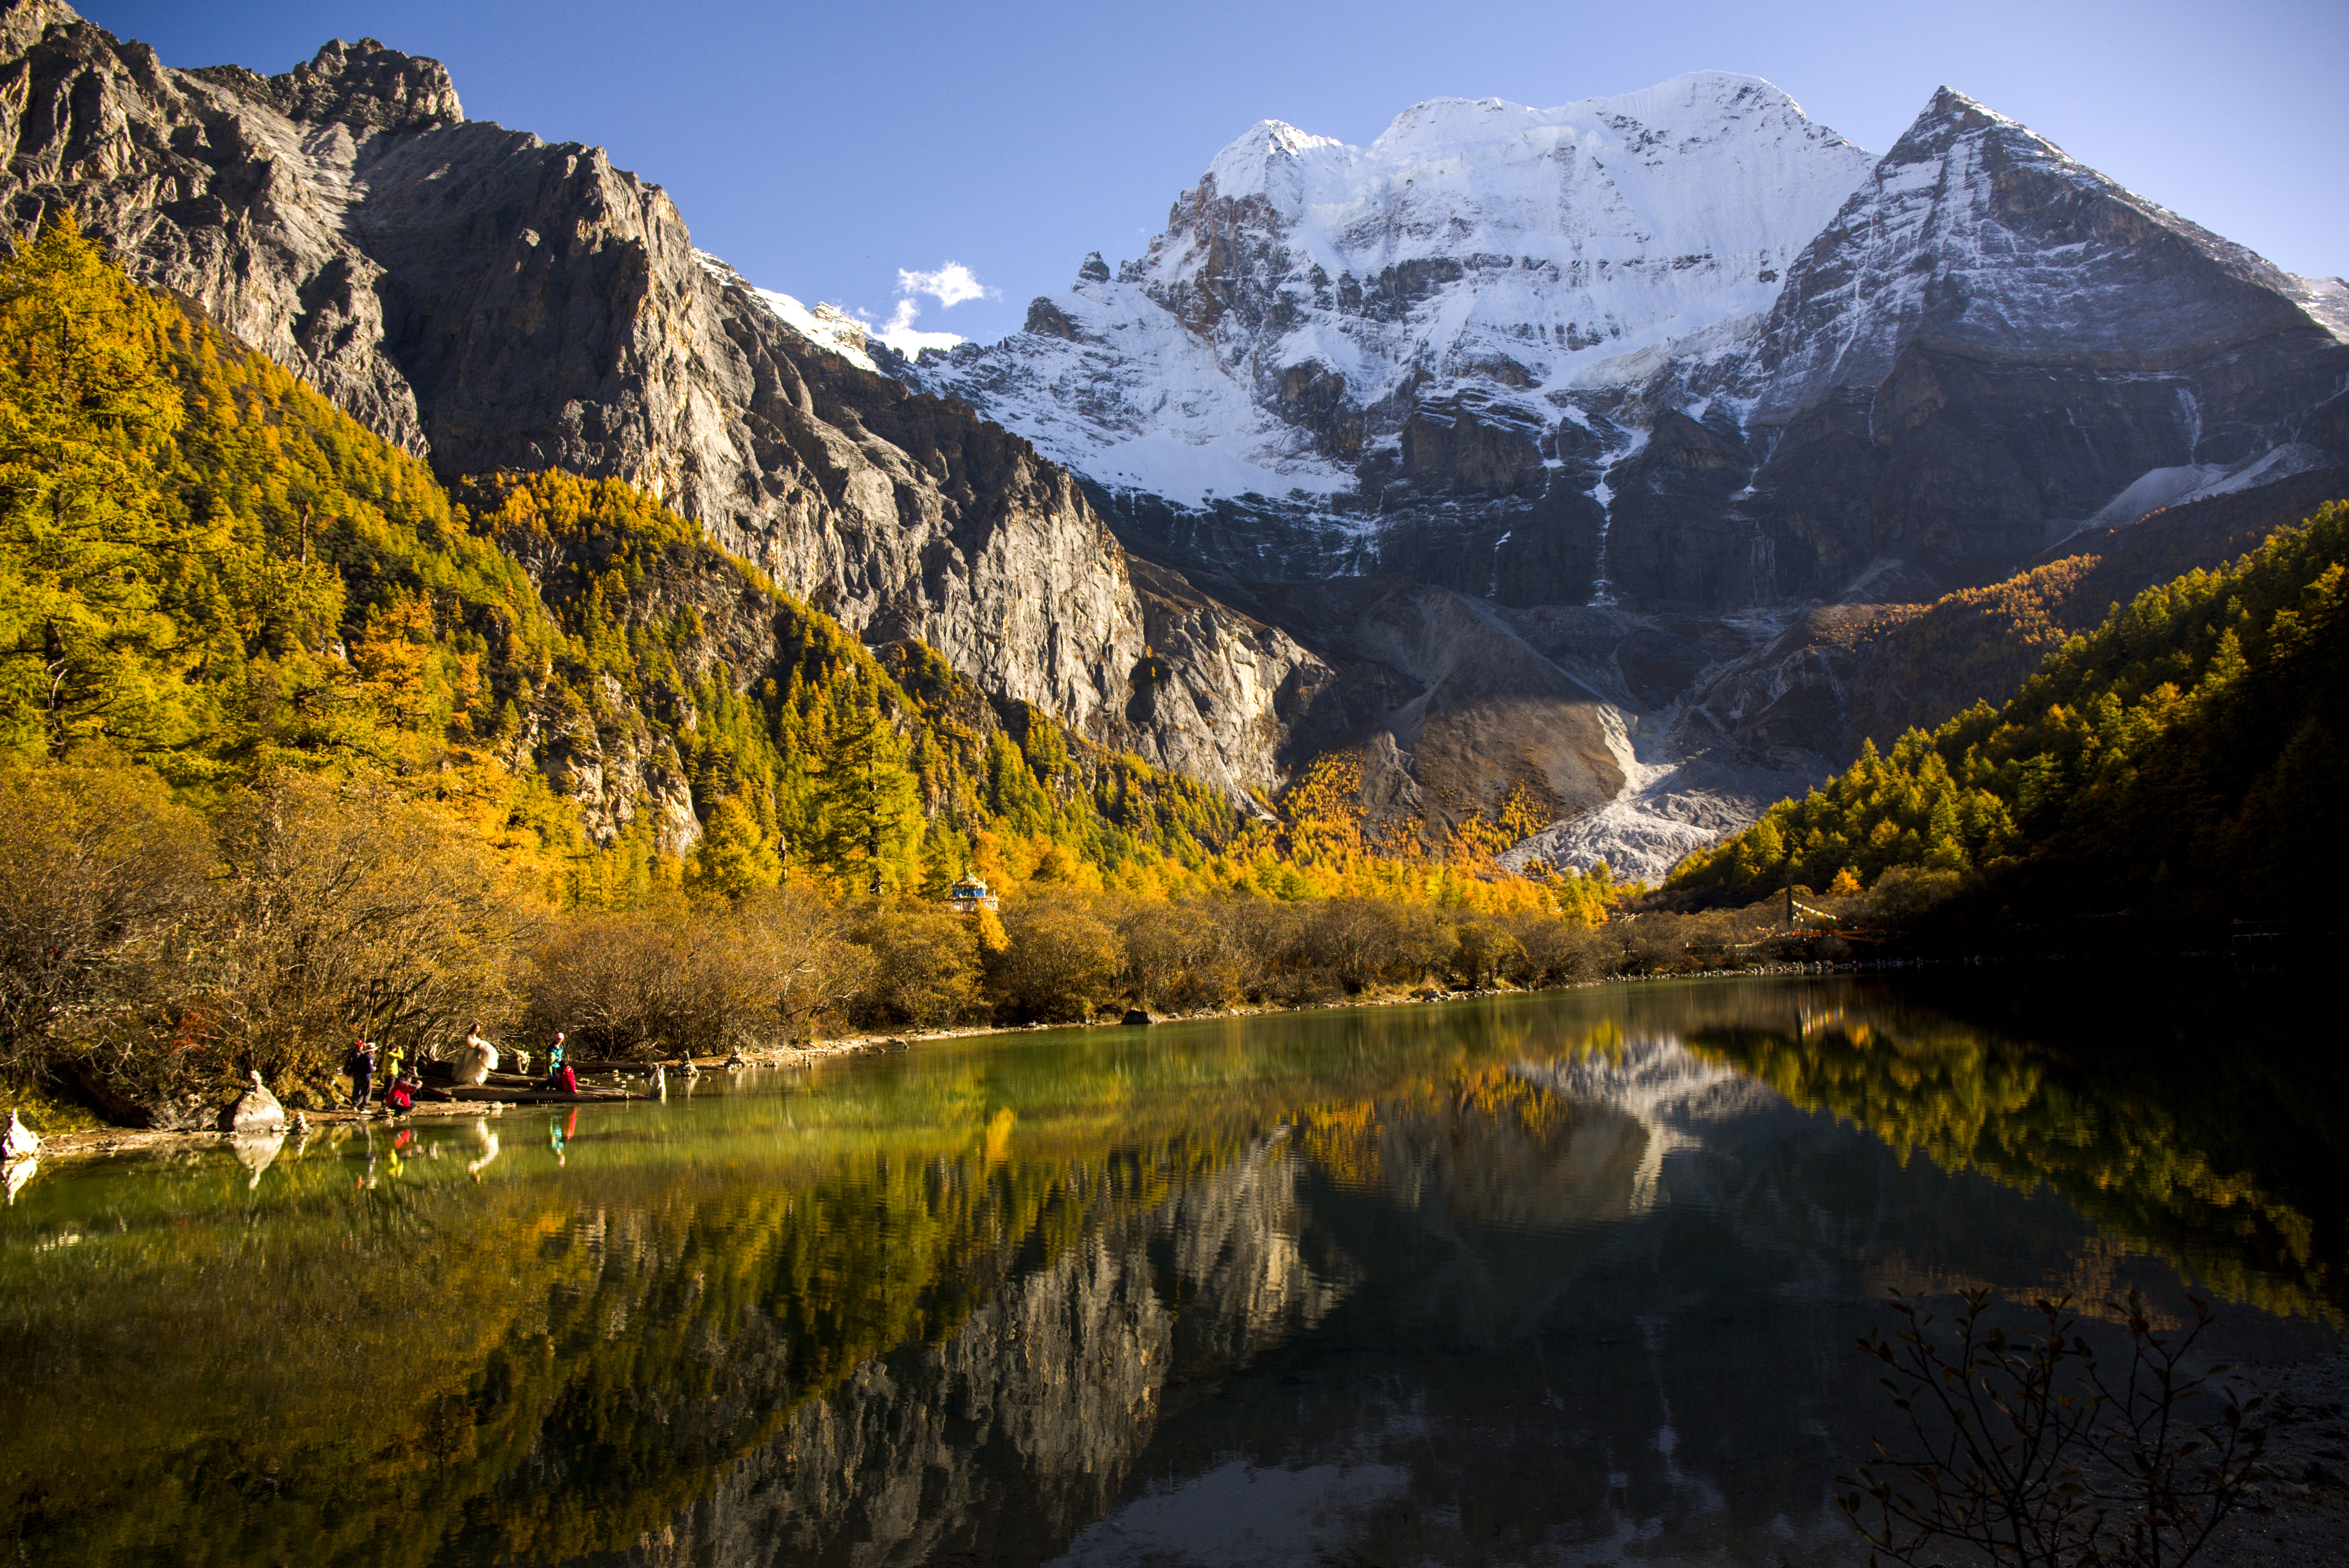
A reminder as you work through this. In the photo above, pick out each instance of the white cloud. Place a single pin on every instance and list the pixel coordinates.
(951, 284)
(898, 331)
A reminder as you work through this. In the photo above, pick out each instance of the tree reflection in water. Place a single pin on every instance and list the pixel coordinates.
(1562, 1278)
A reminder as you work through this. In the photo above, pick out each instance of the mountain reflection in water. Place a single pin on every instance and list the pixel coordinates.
(1560, 1279)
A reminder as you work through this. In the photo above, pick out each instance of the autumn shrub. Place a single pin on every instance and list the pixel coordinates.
(1652, 944)
(1064, 961)
(1481, 950)
(1182, 956)
(611, 983)
(803, 967)
(1552, 952)
(651, 986)
(149, 957)
(923, 967)
(103, 872)
(1263, 943)
(340, 909)
(1357, 941)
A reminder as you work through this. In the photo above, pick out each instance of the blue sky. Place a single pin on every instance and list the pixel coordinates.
(825, 149)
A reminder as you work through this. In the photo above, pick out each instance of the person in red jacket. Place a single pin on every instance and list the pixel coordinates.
(565, 1080)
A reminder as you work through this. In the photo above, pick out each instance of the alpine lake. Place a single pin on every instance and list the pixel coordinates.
(1567, 1278)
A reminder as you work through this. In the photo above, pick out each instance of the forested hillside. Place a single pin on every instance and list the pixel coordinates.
(213, 572)
(301, 743)
(1917, 667)
(2186, 754)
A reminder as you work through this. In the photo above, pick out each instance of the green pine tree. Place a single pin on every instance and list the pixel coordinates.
(734, 857)
(867, 809)
(88, 646)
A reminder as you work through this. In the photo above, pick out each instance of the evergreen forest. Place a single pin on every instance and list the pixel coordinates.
(2181, 757)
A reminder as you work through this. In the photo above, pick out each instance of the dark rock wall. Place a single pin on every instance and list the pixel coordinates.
(492, 302)
(1990, 342)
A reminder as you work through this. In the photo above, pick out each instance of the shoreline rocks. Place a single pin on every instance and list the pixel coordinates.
(255, 1113)
(20, 1142)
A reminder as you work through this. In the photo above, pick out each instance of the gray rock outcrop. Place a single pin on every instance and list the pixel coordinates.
(1470, 710)
(492, 302)
(255, 1113)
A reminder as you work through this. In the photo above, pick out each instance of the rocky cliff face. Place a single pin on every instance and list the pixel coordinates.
(492, 302)
(1991, 345)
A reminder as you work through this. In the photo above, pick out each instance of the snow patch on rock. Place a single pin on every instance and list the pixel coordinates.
(826, 326)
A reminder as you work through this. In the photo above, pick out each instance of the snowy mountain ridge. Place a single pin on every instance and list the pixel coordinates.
(1474, 245)
(1663, 393)
(1927, 242)
(826, 326)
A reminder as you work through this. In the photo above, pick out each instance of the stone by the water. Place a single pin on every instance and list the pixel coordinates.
(255, 1113)
(1136, 1016)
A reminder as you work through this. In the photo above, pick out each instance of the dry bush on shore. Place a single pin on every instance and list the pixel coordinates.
(102, 873)
(1065, 960)
(1180, 956)
(1482, 951)
(924, 968)
(154, 955)
(339, 911)
(1555, 951)
(646, 985)
(805, 967)
(151, 958)
(1358, 941)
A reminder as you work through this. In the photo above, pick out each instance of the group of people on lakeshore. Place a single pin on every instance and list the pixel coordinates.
(477, 1058)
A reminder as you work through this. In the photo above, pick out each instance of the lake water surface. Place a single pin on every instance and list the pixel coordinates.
(1571, 1278)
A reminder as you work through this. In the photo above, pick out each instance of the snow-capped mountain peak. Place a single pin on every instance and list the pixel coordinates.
(1308, 294)
(1254, 160)
(1975, 232)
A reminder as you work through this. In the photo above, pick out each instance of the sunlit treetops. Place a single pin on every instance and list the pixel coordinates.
(2192, 747)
